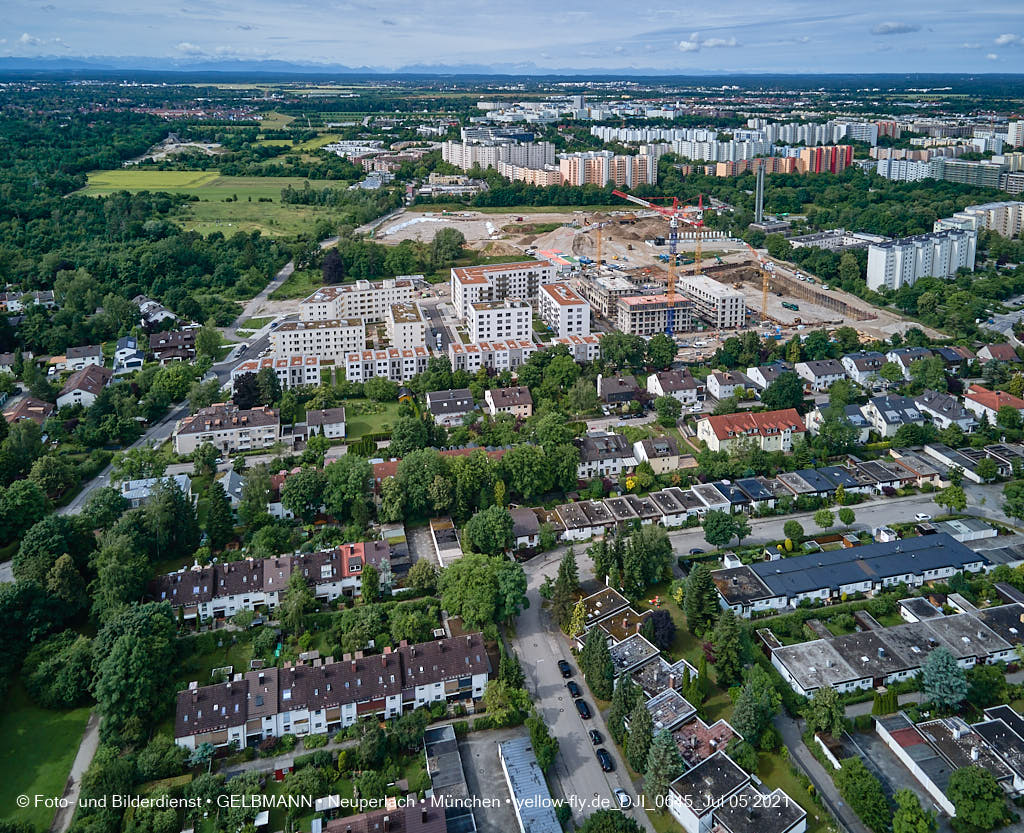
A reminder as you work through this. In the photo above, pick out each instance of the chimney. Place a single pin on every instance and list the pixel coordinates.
(975, 753)
(413, 647)
(672, 681)
(383, 660)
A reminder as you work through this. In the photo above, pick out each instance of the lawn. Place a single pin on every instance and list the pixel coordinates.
(365, 417)
(775, 772)
(203, 184)
(37, 748)
(200, 667)
(256, 323)
(300, 284)
(274, 219)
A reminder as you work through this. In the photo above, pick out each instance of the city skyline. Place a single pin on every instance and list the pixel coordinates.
(736, 37)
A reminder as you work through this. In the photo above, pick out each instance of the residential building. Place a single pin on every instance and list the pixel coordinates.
(525, 527)
(981, 401)
(820, 375)
(326, 422)
(450, 407)
(835, 240)
(565, 312)
(602, 292)
(516, 401)
(496, 355)
(137, 492)
(153, 313)
(228, 428)
(833, 159)
(330, 338)
(1004, 218)
(83, 386)
(600, 167)
(887, 414)
(531, 799)
(543, 177)
(369, 300)
(767, 373)
(406, 818)
(603, 454)
(998, 353)
(291, 371)
(582, 348)
(391, 363)
(906, 356)
(769, 430)
(646, 315)
(127, 355)
(862, 367)
(500, 320)
(901, 262)
(833, 575)
(318, 696)
(723, 384)
(497, 282)
(678, 384)
(75, 358)
(617, 390)
(904, 170)
(945, 410)
(173, 346)
(721, 306)
(406, 326)
(661, 452)
(467, 155)
(28, 407)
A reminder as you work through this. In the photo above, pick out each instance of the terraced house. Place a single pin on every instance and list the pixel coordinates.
(319, 695)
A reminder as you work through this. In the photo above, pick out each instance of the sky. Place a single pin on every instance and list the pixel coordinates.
(789, 36)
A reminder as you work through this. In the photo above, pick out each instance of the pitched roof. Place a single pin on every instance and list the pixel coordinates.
(993, 399)
(766, 423)
(91, 379)
(226, 416)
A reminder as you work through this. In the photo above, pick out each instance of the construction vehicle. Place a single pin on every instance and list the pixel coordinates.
(790, 306)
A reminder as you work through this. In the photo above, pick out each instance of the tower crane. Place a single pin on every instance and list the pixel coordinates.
(767, 269)
(692, 215)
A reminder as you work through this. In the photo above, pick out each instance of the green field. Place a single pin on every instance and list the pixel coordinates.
(209, 185)
(357, 424)
(37, 748)
(300, 284)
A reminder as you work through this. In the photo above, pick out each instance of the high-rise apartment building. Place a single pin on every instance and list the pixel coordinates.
(904, 170)
(1004, 218)
(563, 310)
(721, 306)
(500, 320)
(832, 159)
(328, 339)
(369, 300)
(528, 154)
(902, 262)
(498, 281)
(646, 315)
(1015, 133)
(406, 325)
(599, 167)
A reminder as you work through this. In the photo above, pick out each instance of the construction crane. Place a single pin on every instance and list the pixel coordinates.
(596, 227)
(692, 215)
(767, 269)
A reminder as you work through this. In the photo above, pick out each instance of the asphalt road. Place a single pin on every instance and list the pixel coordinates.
(539, 646)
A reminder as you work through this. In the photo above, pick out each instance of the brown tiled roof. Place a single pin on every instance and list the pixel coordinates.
(30, 408)
(91, 378)
(325, 416)
(511, 397)
(225, 416)
(765, 423)
(84, 351)
(409, 818)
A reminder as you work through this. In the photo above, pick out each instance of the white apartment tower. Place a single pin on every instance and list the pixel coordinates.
(939, 255)
(406, 326)
(329, 339)
(721, 306)
(563, 310)
(368, 300)
(500, 320)
(497, 282)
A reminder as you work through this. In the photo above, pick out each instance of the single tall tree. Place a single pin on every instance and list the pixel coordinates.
(664, 765)
(220, 524)
(627, 695)
(727, 647)
(943, 680)
(641, 734)
(700, 600)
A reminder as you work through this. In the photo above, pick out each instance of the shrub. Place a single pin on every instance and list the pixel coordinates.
(314, 741)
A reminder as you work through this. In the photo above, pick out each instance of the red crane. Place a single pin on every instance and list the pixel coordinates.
(692, 215)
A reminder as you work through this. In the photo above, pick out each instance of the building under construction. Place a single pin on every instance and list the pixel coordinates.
(646, 315)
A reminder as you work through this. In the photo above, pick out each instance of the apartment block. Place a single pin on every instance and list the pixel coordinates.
(497, 282)
(228, 429)
(369, 300)
(599, 167)
(330, 338)
(291, 371)
(833, 159)
(319, 695)
(406, 326)
(583, 348)
(645, 315)
(719, 305)
(1004, 218)
(541, 177)
(468, 155)
(500, 320)
(901, 262)
(398, 365)
(563, 310)
(494, 355)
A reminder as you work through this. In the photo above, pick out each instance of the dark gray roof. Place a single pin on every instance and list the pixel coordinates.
(754, 489)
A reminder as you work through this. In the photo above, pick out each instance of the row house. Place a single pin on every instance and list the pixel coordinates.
(820, 375)
(769, 430)
(291, 371)
(603, 454)
(765, 374)
(493, 355)
(398, 365)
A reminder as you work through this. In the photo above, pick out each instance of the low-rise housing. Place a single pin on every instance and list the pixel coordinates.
(28, 407)
(945, 410)
(75, 358)
(127, 355)
(887, 414)
(862, 367)
(326, 422)
(820, 375)
(84, 386)
(173, 345)
(493, 355)
(765, 374)
(661, 452)
(137, 492)
(391, 363)
(723, 384)
(617, 390)
(228, 428)
(769, 430)
(998, 353)
(292, 371)
(603, 454)
(450, 407)
(904, 357)
(516, 401)
(678, 384)
(983, 402)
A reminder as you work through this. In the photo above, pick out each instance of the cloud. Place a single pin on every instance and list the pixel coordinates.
(894, 27)
(189, 48)
(992, 56)
(30, 40)
(695, 44)
(970, 46)
(711, 43)
(619, 49)
(1009, 39)
(691, 45)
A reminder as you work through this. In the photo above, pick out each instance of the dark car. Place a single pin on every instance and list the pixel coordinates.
(696, 551)
(583, 709)
(565, 668)
(574, 689)
(596, 737)
(605, 760)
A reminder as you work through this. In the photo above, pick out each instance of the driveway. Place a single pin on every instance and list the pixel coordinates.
(479, 753)
(86, 750)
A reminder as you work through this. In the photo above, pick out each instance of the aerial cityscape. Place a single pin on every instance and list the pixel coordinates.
(450, 418)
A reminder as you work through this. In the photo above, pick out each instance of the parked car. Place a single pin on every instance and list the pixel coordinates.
(696, 551)
(624, 799)
(574, 689)
(596, 737)
(565, 668)
(583, 709)
(605, 760)
(922, 516)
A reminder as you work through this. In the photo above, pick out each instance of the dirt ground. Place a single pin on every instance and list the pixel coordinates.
(478, 228)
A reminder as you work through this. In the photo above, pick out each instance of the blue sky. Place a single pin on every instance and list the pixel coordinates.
(728, 36)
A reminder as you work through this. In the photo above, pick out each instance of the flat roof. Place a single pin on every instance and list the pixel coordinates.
(529, 789)
(704, 787)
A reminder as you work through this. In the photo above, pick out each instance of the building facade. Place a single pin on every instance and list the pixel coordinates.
(329, 338)
(368, 300)
(228, 429)
(500, 320)
(721, 306)
(498, 282)
(901, 262)
(406, 325)
(563, 310)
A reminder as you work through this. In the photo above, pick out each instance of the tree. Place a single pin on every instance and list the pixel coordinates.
(741, 528)
(942, 680)
(53, 474)
(370, 584)
(640, 737)
(757, 703)
(578, 619)
(490, 531)
(1008, 417)
(608, 821)
(596, 663)
(825, 712)
(132, 652)
(45, 543)
(58, 670)
(700, 601)
(727, 647)
(1013, 499)
(952, 498)
(793, 530)
(660, 628)
(208, 341)
(373, 745)
(847, 516)
(719, 528)
(986, 686)
(668, 408)
(545, 747)
(246, 391)
(625, 698)
(104, 506)
(979, 800)
(332, 267)
(220, 524)
(269, 386)
(22, 504)
(565, 590)
(661, 351)
(422, 577)
(787, 391)
(910, 817)
(483, 589)
(824, 518)
(987, 469)
(297, 602)
(505, 705)
(891, 373)
(65, 583)
(863, 792)
(303, 493)
(346, 492)
(204, 460)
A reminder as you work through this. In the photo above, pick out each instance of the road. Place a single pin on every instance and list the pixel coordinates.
(539, 646)
(86, 750)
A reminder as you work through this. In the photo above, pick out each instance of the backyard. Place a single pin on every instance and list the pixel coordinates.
(363, 416)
